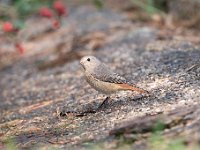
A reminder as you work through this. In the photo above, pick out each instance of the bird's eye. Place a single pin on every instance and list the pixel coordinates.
(88, 59)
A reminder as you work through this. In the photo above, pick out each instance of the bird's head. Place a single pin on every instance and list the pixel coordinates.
(89, 62)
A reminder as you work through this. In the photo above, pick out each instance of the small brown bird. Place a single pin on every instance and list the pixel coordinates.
(101, 78)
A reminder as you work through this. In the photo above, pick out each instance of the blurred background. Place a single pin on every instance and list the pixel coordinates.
(24, 21)
(152, 43)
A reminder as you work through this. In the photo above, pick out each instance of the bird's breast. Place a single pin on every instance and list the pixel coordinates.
(101, 86)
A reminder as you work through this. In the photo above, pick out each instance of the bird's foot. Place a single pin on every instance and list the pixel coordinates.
(105, 102)
(79, 111)
(76, 113)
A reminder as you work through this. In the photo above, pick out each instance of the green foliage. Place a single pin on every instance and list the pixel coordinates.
(159, 126)
(157, 141)
(150, 6)
(27, 7)
(19, 24)
(21, 9)
(161, 5)
(98, 3)
(11, 144)
(177, 144)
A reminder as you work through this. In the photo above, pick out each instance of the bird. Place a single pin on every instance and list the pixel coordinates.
(104, 80)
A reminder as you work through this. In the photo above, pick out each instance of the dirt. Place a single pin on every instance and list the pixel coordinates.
(40, 88)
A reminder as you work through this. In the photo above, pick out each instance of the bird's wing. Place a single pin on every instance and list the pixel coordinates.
(103, 73)
(115, 78)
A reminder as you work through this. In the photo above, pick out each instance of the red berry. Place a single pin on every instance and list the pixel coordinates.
(46, 12)
(19, 47)
(55, 24)
(60, 8)
(7, 27)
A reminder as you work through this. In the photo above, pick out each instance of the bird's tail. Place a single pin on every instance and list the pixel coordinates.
(133, 88)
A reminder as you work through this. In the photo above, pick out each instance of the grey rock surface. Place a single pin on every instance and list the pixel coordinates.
(169, 70)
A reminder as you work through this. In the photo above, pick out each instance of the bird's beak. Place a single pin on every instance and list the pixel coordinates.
(81, 62)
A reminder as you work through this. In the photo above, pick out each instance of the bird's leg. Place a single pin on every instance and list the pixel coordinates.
(103, 103)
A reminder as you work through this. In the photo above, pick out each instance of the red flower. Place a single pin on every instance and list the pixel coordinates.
(60, 8)
(7, 27)
(19, 47)
(46, 12)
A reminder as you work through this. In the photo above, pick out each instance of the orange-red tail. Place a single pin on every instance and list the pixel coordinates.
(133, 88)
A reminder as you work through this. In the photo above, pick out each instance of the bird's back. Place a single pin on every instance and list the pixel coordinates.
(103, 73)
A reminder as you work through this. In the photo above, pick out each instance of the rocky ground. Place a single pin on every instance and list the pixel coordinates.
(40, 88)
